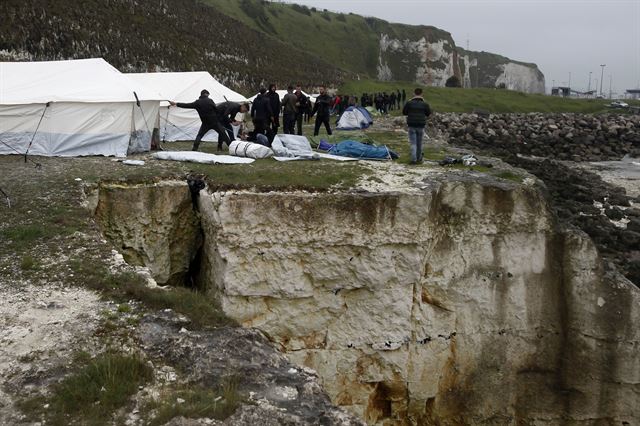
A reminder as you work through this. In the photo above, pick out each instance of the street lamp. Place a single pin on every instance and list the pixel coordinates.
(601, 77)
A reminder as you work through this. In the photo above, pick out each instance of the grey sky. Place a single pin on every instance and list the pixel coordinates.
(560, 36)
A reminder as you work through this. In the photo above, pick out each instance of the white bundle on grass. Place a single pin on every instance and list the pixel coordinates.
(292, 146)
(250, 150)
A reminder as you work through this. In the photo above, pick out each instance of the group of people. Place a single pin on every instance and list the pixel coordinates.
(266, 108)
(383, 101)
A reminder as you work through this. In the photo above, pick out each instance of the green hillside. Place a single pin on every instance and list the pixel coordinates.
(445, 99)
(348, 41)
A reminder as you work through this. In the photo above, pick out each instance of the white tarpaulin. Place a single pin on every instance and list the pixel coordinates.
(250, 150)
(291, 146)
(79, 107)
(178, 124)
(201, 157)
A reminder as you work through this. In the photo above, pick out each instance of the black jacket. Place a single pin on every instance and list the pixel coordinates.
(322, 106)
(227, 111)
(274, 102)
(261, 108)
(417, 111)
(205, 107)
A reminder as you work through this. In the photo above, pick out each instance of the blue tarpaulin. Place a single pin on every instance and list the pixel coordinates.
(355, 149)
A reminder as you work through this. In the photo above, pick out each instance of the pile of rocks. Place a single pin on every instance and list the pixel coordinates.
(575, 137)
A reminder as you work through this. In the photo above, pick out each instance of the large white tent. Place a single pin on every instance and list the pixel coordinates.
(180, 123)
(78, 107)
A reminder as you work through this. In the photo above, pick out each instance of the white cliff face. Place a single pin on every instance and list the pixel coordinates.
(458, 305)
(421, 52)
(521, 78)
(432, 63)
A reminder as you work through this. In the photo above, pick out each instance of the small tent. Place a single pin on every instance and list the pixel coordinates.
(354, 118)
(72, 108)
(180, 123)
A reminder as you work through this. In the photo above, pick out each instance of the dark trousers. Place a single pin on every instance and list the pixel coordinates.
(205, 127)
(299, 117)
(275, 124)
(322, 119)
(289, 119)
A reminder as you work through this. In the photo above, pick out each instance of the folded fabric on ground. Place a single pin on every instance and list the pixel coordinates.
(201, 157)
(355, 149)
(335, 157)
(325, 145)
(249, 149)
(291, 146)
(306, 157)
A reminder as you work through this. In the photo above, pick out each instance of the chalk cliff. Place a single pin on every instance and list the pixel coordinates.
(459, 302)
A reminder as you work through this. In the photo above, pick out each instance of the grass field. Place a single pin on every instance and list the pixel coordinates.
(446, 99)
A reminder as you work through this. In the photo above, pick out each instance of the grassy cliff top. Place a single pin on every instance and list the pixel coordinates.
(447, 99)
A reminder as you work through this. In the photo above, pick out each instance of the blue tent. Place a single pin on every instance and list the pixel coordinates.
(354, 118)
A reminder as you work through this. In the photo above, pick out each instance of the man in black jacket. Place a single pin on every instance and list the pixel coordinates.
(323, 108)
(417, 111)
(302, 106)
(227, 112)
(274, 101)
(261, 114)
(208, 114)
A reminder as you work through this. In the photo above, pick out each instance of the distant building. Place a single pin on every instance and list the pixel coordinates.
(561, 91)
(634, 93)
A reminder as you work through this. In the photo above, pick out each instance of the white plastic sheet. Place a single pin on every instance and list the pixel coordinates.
(201, 157)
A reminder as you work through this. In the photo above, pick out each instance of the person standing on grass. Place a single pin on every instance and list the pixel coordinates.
(289, 111)
(208, 114)
(274, 100)
(302, 107)
(261, 114)
(417, 111)
(323, 109)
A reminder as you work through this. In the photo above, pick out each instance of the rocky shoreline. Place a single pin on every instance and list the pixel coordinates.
(551, 147)
(574, 137)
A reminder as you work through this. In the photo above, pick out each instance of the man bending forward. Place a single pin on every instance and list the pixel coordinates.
(208, 114)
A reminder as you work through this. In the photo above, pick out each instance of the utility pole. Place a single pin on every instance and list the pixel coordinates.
(610, 82)
(601, 77)
(569, 84)
(589, 89)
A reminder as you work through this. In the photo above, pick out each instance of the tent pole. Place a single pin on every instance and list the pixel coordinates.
(34, 133)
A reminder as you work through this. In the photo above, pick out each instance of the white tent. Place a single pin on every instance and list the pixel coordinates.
(180, 123)
(79, 107)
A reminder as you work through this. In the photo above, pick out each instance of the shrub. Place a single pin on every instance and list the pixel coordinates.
(301, 9)
(453, 81)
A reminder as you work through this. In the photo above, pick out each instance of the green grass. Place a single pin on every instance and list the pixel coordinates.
(446, 99)
(28, 263)
(268, 174)
(24, 235)
(197, 402)
(200, 308)
(509, 175)
(92, 394)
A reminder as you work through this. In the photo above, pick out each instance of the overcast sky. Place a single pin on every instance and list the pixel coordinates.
(560, 36)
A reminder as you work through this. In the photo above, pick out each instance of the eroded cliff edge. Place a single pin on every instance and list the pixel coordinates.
(462, 302)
